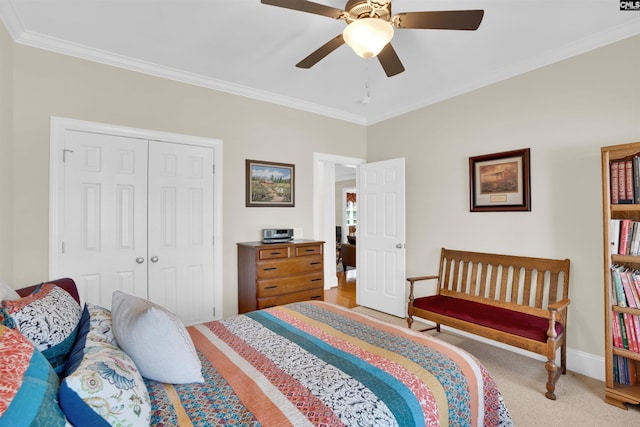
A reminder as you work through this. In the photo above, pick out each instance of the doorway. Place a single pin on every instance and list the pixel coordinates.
(324, 186)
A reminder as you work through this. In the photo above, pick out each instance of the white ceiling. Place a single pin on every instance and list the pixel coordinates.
(246, 48)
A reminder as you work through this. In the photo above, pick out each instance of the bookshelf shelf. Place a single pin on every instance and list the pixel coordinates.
(622, 366)
(626, 353)
(626, 259)
(625, 208)
(630, 310)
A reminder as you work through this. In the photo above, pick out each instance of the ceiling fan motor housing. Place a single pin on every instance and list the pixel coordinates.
(358, 9)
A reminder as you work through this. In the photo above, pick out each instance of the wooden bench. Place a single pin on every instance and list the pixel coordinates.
(520, 301)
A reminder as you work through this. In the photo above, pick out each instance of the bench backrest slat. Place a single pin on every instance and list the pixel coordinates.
(533, 282)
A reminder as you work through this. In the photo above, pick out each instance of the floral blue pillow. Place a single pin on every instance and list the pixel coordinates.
(49, 318)
(101, 384)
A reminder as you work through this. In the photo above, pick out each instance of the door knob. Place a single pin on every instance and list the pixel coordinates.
(154, 259)
(140, 260)
(399, 246)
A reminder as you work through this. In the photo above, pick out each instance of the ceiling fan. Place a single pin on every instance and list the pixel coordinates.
(370, 27)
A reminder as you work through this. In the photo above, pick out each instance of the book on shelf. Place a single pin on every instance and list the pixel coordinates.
(635, 239)
(624, 180)
(616, 283)
(636, 284)
(626, 279)
(613, 181)
(624, 370)
(636, 179)
(614, 235)
(630, 328)
(623, 332)
(633, 285)
(624, 236)
(615, 330)
(635, 324)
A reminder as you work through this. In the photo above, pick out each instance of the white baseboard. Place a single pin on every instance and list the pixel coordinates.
(577, 361)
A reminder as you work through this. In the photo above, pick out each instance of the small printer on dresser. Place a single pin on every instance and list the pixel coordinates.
(277, 235)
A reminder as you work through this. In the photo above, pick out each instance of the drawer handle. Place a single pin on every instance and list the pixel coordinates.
(315, 280)
(271, 287)
(276, 253)
(310, 250)
(270, 268)
(316, 297)
(315, 263)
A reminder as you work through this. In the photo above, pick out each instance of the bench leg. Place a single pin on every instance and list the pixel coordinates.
(553, 374)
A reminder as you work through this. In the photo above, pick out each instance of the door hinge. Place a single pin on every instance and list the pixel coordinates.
(214, 168)
(64, 154)
(214, 312)
(62, 247)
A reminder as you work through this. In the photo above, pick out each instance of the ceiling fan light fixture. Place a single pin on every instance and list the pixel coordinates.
(367, 36)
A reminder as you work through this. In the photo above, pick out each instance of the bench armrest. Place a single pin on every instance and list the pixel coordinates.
(557, 309)
(559, 305)
(412, 280)
(418, 278)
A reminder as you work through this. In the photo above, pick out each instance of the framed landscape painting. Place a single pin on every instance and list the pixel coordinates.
(500, 182)
(270, 184)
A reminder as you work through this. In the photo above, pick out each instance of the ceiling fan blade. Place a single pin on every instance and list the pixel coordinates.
(321, 52)
(390, 61)
(306, 6)
(440, 20)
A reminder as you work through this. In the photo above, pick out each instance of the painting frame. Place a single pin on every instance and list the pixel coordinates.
(500, 182)
(270, 184)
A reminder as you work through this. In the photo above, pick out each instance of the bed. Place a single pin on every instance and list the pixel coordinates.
(314, 363)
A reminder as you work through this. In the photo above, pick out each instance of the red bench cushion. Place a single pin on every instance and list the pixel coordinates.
(502, 319)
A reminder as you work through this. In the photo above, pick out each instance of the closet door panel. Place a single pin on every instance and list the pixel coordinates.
(181, 229)
(104, 211)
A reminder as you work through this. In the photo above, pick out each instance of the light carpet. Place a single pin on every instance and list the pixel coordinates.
(521, 380)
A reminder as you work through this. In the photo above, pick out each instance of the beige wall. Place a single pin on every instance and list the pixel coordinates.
(6, 165)
(564, 112)
(48, 84)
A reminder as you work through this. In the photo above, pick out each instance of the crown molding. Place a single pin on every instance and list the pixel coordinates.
(11, 20)
(52, 44)
(584, 45)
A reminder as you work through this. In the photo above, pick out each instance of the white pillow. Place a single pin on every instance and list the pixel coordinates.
(155, 339)
(7, 292)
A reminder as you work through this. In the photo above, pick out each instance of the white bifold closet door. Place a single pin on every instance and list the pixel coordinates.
(138, 217)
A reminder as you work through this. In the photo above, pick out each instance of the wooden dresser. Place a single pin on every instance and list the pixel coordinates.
(279, 273)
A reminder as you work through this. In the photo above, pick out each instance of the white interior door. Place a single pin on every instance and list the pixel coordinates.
(181, 229)
(381, 237)
(104, 215)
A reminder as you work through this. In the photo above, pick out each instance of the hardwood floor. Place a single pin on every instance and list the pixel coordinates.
(345, 293)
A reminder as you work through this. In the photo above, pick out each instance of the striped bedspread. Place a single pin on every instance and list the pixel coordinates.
(314, 363)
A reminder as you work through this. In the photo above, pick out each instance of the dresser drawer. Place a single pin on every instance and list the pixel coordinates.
(309, 250)
(275, 268)
(275, 253)
(285, 285)
(312, 294)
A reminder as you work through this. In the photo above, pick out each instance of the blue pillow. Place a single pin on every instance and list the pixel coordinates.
(29, 383)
